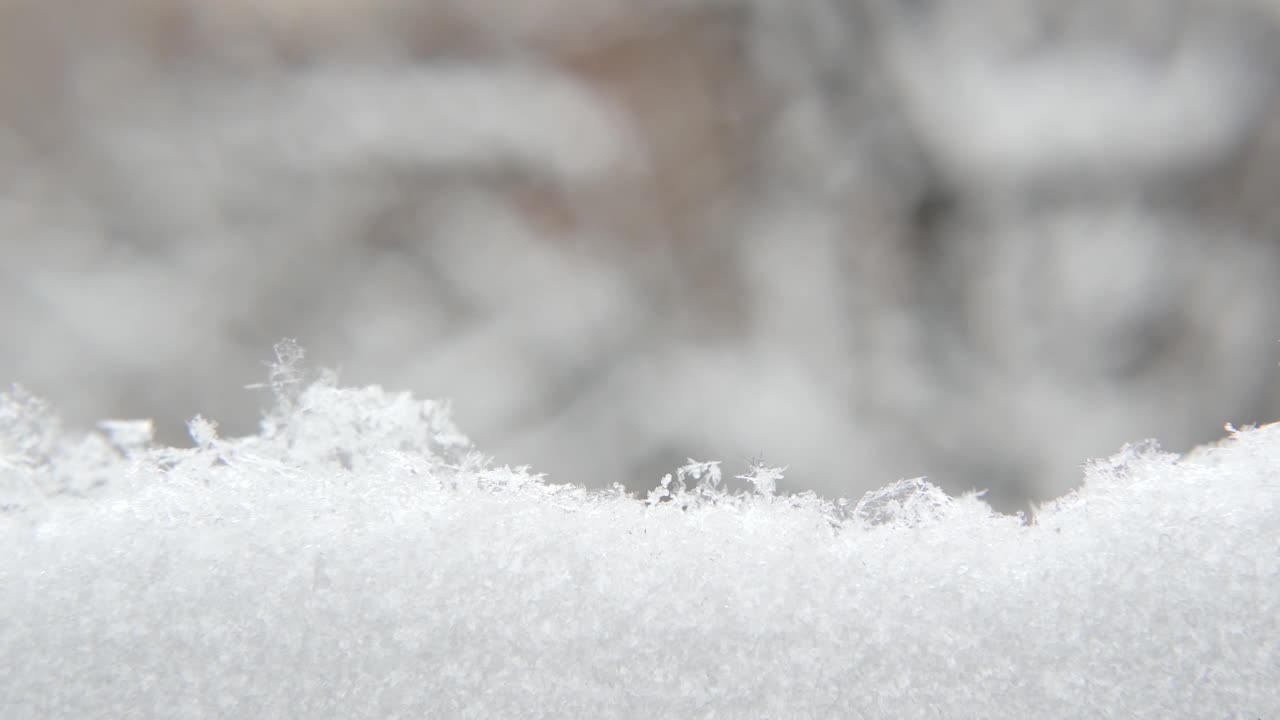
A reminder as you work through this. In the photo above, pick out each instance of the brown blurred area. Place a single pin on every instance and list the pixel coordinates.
(976, 241)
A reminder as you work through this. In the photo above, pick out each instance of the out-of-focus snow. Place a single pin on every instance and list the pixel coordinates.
(357, 558)
(1098, 91)
(971, 240)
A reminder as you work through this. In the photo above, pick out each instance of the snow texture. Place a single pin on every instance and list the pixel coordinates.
(357, 558)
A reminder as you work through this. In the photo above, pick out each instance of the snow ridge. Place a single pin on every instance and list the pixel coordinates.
(358, 558)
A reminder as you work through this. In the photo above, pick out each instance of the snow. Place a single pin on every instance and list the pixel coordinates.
(978, 241)
(357, 557)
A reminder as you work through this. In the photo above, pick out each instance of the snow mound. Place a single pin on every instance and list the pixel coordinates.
(357, 558)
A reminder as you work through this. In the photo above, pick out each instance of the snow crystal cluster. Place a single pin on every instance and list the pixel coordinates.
(357, 558)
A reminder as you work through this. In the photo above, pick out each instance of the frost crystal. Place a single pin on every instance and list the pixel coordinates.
(287, 376)
(38, 461)
(763, 479)
(363, 427)
(204, 432)
(904, 503)
(662, 493)
(29, 430)
(706, 474)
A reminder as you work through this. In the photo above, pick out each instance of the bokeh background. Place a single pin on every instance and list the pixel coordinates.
(980, 241)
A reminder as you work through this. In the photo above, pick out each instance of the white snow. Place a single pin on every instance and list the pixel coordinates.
(358, 558)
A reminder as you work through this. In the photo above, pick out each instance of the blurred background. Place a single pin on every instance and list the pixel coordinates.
(980, 241)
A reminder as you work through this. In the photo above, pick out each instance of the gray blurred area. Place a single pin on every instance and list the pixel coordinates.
(980, 241)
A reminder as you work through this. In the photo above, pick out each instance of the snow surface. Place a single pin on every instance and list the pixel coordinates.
(358, 558)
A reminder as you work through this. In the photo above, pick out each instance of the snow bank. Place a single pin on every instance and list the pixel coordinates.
(357, 558)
